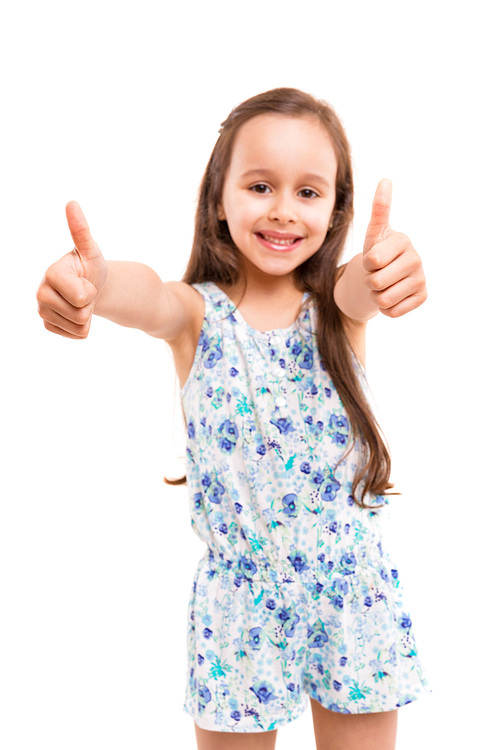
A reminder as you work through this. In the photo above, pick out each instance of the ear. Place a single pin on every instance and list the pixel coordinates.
(220, 213)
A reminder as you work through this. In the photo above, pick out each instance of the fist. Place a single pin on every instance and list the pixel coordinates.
(394, 274)
(70, 288)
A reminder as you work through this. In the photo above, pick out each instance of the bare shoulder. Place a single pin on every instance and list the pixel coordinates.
(186, 308)
(356, 334)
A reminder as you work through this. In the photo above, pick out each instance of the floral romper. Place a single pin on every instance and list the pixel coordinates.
(295, 596)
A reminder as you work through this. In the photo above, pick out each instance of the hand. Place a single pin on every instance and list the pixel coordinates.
(395, 276)
(69, 290)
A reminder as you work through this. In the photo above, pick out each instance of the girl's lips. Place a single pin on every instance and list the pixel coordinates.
(280, 241)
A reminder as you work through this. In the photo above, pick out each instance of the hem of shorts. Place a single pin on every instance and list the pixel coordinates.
(424, 692)
(203, 723)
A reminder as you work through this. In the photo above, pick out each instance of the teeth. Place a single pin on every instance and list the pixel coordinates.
(277, 241)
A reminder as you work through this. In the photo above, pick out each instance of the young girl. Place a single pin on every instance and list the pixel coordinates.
(295, 598)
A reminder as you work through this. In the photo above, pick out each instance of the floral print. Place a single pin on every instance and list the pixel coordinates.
(295, 596)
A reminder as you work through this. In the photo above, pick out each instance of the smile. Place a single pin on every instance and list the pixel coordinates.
(283, 242)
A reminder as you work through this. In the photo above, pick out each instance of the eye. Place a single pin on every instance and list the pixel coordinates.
(260, 188)
(308, 193)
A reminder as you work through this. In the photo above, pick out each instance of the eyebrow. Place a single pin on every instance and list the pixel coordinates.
(308, 177)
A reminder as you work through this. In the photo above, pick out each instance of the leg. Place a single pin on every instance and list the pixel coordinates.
(235, 740)
(335, 731)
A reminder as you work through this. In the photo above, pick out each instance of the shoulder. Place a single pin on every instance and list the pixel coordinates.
(184, 292)
(355, 330)
(186, 308)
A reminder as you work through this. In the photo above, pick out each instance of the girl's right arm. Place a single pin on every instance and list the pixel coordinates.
(131, 294)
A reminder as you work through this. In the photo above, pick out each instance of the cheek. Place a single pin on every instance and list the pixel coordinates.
(235, 223)
(240, 214)
(320, 221)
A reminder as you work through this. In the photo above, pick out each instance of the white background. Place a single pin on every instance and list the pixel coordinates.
(117, 105)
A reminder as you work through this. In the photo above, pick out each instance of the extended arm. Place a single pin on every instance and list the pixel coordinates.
(131, 294)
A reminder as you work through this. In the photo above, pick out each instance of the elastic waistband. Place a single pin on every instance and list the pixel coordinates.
(295, 567)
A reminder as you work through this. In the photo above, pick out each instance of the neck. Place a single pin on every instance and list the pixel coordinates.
(265, 289)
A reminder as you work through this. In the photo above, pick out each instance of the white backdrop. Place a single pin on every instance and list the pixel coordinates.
(117, 105)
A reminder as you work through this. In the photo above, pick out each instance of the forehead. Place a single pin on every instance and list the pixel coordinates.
(280, 141)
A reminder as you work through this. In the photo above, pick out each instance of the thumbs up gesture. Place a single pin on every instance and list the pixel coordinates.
(69, 290)
(394, 274)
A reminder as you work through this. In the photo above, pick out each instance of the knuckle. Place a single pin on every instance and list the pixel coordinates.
(51, 275)
(85, 330)
(80, 298)
(392, 312)
(83, 297)
(384, 300)
(74, 297)
(81, 316)
(44, 309)
(420, 287)
(375, 258)
(377, 282)
(420, 298)
(48, 326)
(41, 295)
(416, 262)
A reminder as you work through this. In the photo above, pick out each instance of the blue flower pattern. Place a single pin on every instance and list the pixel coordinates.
(295, 596)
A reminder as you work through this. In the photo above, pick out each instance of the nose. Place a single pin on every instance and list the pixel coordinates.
(282, 209)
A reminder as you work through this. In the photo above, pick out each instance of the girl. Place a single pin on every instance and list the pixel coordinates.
(295, 598)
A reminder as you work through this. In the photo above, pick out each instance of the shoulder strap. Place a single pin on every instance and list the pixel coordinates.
(217, 304)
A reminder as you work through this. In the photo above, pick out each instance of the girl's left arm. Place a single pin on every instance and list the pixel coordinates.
(388, 274)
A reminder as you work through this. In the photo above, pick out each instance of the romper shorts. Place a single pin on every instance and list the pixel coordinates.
(262, 641)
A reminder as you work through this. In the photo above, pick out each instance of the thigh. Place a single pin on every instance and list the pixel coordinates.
(334, 731)
(208, 740)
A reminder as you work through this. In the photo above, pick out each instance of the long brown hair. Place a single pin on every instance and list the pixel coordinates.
(216, 258)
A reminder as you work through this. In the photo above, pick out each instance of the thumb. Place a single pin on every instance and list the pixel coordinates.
(85, 245)
(379, 226)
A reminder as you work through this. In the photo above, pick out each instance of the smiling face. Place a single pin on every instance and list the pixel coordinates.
(279, 193)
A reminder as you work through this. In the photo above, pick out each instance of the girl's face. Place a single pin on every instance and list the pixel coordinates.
(279, 192)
